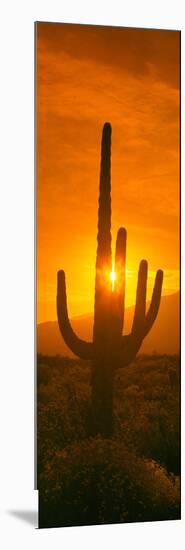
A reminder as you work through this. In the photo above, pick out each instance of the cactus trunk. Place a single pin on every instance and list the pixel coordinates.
(101, 413)
(102, 370)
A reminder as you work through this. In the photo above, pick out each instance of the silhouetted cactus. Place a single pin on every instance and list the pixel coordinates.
(109, 349)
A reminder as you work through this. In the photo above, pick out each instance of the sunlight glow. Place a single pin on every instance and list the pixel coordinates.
(113, 277)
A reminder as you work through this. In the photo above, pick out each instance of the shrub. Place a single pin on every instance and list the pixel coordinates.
(99, 481)
(43, 374)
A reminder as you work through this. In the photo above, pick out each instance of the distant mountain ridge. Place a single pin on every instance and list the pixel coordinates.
(163, 338)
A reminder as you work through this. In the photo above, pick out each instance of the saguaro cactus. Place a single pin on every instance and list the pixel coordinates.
(109, 349)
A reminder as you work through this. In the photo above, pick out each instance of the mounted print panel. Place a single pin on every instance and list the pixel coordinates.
(108, 274)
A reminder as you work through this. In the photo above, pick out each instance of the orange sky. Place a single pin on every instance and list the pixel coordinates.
(87, 75)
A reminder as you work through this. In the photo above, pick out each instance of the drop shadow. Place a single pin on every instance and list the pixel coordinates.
(28, 516)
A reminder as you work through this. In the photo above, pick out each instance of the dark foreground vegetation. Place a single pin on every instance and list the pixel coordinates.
(134, 475)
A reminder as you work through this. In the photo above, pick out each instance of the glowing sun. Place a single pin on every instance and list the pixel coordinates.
(113, 277)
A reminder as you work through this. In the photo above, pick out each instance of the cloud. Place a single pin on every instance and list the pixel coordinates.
(135, 51)
(86, 76)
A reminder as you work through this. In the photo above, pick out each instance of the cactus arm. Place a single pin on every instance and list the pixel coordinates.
(143, 322)
(79, 347)
(140, 308)
(155, 302)
(127, 350)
